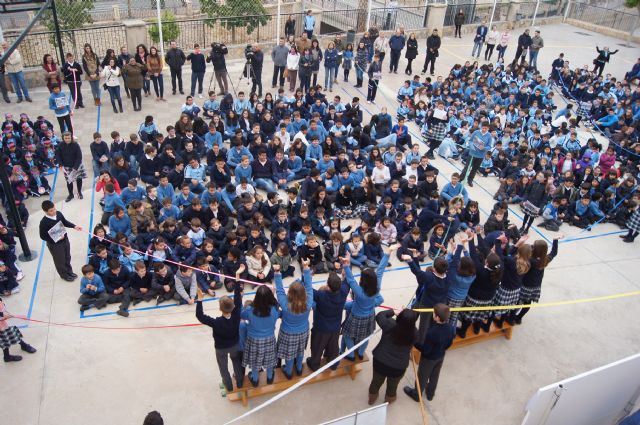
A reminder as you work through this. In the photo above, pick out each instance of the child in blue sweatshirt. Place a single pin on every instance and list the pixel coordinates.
(294, 330)
(361, 321)
(92, 290)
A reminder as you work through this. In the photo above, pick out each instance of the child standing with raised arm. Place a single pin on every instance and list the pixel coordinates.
(294, 330)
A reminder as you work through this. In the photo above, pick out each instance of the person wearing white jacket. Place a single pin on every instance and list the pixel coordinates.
(111, 75)
(292, 67)
(492, 40)
(259, 265)
(14, 68)
(380, 47)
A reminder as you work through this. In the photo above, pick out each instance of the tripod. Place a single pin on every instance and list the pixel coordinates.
(247, 74)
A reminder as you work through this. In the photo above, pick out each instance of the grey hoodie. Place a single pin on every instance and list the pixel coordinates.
(279, 55)
(186, 283)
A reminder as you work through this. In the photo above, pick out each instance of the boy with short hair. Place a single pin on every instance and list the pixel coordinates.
(92, 290)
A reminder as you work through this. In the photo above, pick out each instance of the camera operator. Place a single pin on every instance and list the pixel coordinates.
(279, 55)
(175, 58)
(216, 57)
(255, 57)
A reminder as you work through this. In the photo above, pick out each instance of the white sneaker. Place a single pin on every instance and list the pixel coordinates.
(200, 95)
(19, 276)
(15, 290)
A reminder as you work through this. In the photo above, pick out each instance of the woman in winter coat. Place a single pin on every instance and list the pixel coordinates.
(412, 52)
(330, 63)
(316, 53)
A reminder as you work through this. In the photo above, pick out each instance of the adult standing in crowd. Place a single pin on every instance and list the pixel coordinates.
(51, 72)
(69, 159)
(141, 58)
(217, 58)
(123, 59)
(309, 24)
(337, 41)
(91, 67)
(492, 40)
(3, 84)
(134, 74)
(175, 58)
(396, 44)
(279, 56)
(503, 42)
(433, 47)
(478, 40)
(14, 67)
(375, 74)
(524, 42)
(198, 68)
(72, 72)
(537, 43)
(111, 74)
(603, 58)
(155, 64)
(53, 231)
(290, 27)
(256, 65)
(458, 20)
(380, 46)
(411, 53)
(293, 60)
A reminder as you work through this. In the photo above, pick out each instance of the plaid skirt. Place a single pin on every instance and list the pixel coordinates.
(438, 131)
(290, 345)
(71, 176)
(476, 315)
(342, 215)
(259, 352)
(453, 317)
(634, 221)
(505, 297)
(584, 110)
(529, 295)
(9, 337)
(359, 328)
(530, 209)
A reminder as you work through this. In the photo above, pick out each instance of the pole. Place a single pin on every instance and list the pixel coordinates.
(493, 12)
(278, 27)
(368, 15)
(160, 29)
(535, 12)
(12, 211)
(56, 24)
(1, 35)
(426, 13)
(566, 11)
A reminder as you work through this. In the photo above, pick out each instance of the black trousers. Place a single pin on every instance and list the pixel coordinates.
(409, 69)
(61, 253)
(474, 163)
(78, 184)
(176, 74)
(65, 123)
(458, 32)
(257, 82)
(429, 373)
(430, 59)
(278, 70)
(488, 51)
(323, 343)
(223, 83)
(372, 90)
(136, 98)
(520, 52)
(76, 93)
(378, 379)
(395, 59)
(124, 299)
(599, 67)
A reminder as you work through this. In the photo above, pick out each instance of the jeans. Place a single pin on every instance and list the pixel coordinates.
(305, 82)
(501, 50)
(309, 34)
(158, 85)
(99, 166)
(359, 73)
(114, 94)
(278, 70)
(222, 358)
(265, 184)
(533, 58)
(95, 88)
(387, 141)
(19, 84)
(146, 85)
(176, 74)
(395, 59)
(329, 77)
(477, 48)
(196, 77)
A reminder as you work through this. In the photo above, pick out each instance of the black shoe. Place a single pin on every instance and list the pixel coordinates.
(73, 275)
(181, 92)
(518, 320)
(80, 195)
(11, 358)
(173, 92)
(309, 364)
(69, 198)
(85, 307)
(430, 155)
(411, 392)
(270, 381)
(627, 240)
(69, 278)
(159, 300)
(27, 348)
(470, 184)
(7, 100)
(429, 397)
(122, 313)
(347, 229)
(19, 101)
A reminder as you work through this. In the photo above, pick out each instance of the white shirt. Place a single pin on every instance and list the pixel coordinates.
(380, 176)
(292, 62)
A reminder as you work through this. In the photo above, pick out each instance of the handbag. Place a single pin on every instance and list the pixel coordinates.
(286, 73)
(105, 87)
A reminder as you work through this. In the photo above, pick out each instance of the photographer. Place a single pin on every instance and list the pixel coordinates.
(175, 58)
(216, 57)
(255, 57)
(279, 55)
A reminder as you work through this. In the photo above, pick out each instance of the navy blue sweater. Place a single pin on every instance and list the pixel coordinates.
(327, 313)
(225, 331)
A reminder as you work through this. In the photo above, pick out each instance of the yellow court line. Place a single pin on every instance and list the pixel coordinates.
(541, 305)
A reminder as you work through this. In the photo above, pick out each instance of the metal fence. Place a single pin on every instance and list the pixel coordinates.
(596, 15)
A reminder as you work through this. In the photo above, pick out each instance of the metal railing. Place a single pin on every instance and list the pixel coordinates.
(596, 15)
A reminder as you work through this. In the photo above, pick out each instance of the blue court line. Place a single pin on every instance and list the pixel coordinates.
(37, 278)
(157, 307)
(93, 199)
(617, 232)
